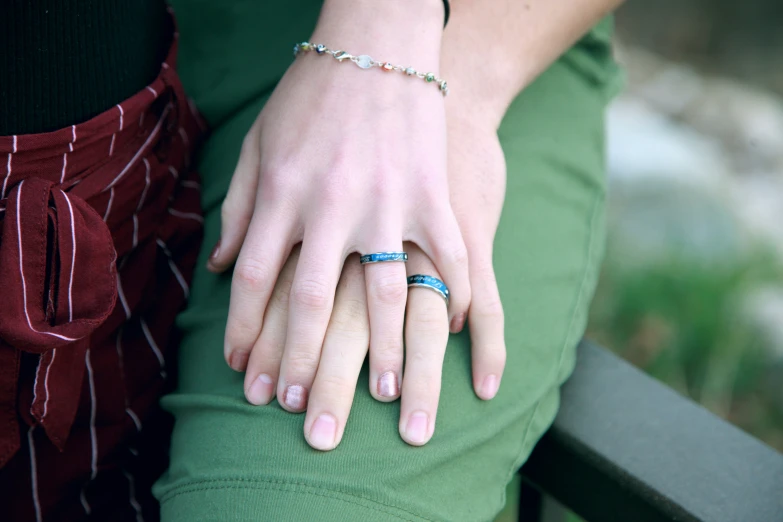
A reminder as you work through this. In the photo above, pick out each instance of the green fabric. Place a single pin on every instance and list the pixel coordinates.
(231, 461)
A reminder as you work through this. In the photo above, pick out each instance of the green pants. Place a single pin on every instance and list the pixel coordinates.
(233, 461)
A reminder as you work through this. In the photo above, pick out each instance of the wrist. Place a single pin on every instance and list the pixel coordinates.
(407, 32)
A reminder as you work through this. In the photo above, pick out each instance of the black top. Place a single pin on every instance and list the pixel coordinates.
(64, 61)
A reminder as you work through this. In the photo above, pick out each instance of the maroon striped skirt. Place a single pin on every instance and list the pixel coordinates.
(100, 226)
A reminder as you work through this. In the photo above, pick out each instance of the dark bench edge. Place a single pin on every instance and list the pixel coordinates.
(626, 447)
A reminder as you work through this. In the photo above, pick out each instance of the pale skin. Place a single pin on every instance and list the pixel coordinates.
(343, 160)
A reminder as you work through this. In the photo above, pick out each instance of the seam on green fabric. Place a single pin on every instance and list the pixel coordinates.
(579, 296)
(589, 265)
(279, 485)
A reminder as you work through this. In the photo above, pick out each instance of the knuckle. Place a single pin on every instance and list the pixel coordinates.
(302, 360)
(231, 212)
(422, 358)
(388, 349)
(456, 255)
(492, 356)
(491, 309)
(349, 319)
(428, 320)
(282, 293)
(253, 274)
(389, 289)
(274, 184)
(310, 294)
(337, 387)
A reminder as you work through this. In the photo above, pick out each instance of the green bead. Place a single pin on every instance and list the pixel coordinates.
(430, 77)
(305, 46)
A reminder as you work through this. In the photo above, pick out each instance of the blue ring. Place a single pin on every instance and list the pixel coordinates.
(433, 283)
(383, 257)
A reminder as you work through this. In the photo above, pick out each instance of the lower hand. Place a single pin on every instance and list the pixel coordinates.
(345, 347)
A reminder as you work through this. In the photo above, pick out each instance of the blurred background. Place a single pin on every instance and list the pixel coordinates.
(692, 284)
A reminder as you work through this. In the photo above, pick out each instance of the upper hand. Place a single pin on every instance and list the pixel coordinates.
(342, 160)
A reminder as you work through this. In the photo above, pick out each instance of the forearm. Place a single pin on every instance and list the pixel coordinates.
(493, 49)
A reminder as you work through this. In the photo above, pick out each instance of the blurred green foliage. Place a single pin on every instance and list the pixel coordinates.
(689, 325)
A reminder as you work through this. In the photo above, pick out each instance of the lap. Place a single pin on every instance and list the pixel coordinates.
(234, 461)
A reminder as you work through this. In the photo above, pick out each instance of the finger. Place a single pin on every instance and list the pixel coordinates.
(387, 292)
(310, 307)
(266, 248)
(443, 244)
(237, 209)
(486, 319)
(426, 335)
(263, 368)
(344, 350)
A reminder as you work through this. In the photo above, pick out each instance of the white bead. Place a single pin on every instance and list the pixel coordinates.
(364, 61)
(410, 71)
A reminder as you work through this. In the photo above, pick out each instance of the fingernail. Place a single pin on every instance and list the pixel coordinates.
(238, 361)
(490, 387)
(295, 397)
(457, 323)
(416, 430)
(260, 391)
(388, 385)
(215, 251)
(323, 432)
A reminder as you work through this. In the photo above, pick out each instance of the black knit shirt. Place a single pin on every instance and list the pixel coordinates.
(65, 61)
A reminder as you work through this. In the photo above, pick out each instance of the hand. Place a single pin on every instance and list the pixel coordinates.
(342, 160)
(477, 186)
(477, 181)
(344, 349)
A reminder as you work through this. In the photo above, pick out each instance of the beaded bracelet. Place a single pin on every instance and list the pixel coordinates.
(365, 62)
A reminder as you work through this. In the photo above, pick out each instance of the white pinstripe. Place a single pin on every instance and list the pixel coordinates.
(132, 496)
(122, 113)
(35, 383)
(186, 215)
(184, 136)
(65, 154)
(85, 505)
(173, 171)
(73, 259)
(46, 384)
(122, 296)
(153, 91)
(152, 343)
(191, 184)
(34, 475)
(111, 146)
(65, 165)
(21, 270)
(93, 435)
(135, 230)
(93, 408)
(8, 169)
(174, 269)
(134, 417)
(108, 207)
(139, 152)
(146, 185)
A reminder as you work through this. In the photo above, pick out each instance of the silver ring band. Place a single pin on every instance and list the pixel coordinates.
(433, 283)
